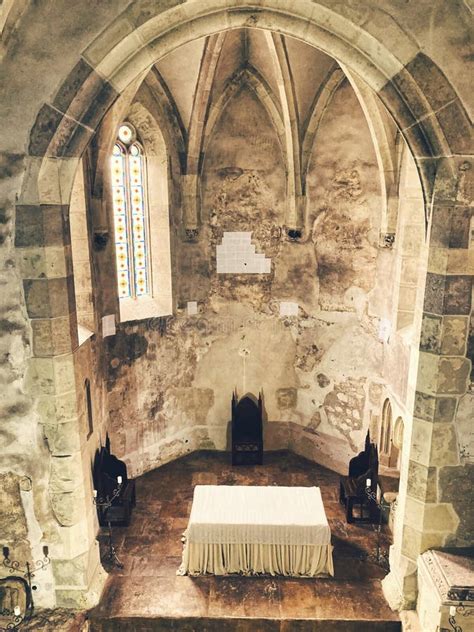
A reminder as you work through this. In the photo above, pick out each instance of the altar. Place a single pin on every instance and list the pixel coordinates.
(257, 530)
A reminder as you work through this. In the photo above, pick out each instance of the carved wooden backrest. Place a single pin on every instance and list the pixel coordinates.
(246, 419)
(361, 463)
(106, 469)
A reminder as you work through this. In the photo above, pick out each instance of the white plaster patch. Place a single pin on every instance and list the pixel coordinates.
(192, 308)
(108, 325)
(236, 255)
(288, 309)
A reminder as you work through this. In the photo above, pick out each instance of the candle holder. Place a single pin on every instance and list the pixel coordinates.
(16, 621)
(28, 572)
(104, 504)
(453, 624)
(377, 556)
(453, 611)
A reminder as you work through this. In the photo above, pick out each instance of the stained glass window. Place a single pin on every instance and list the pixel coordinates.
(130, 215)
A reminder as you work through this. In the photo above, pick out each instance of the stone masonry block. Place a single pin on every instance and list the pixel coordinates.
(454, 335)
(453, 375)
(422, 482)
(444, 445)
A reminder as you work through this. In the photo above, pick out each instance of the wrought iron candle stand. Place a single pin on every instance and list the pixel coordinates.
(105, 504)
(453, 611)
(16, 621)
(27, 572)
(378, 556)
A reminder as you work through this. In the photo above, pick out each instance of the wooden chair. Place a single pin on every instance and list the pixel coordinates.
(353, 488)
(247, 430)
(107, 468)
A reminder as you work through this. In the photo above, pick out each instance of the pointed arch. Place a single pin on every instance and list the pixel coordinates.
(207, 71)
(279, 55)
(319, 106)
(248, 76)
(171, 122)
(385, 140)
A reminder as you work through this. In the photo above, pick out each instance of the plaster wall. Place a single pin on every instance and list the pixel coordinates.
(169, 391)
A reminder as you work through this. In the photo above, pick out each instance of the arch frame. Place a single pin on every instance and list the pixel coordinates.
(112, 62)
(126, 49)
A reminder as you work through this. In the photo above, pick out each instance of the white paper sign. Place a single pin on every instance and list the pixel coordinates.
(108, 325)
(385, 329)
(192, 308)
(288, 309)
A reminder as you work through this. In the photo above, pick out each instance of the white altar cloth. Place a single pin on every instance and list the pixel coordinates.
(250, 530)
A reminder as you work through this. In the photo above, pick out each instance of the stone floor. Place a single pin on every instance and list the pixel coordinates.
(147, 595)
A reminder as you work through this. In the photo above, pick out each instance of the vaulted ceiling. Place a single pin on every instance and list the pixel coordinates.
(241, 49)
(295, 83)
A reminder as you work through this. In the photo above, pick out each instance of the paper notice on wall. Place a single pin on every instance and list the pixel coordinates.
(288, 309)
(192, 308)
(108, 325)
(385, 329)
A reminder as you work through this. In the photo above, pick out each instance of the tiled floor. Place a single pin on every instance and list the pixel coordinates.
(147, 595)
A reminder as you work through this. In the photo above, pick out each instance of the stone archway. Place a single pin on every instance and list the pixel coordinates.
(422, 102)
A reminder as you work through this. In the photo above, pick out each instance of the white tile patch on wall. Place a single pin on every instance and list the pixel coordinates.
(192, 307)
(288, 309)
(236, 255)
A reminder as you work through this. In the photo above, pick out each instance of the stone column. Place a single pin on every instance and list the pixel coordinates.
(61, 471)
(44, 253)
(436, 499)
(191, 202)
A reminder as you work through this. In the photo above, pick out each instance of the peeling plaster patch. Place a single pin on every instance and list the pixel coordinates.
(323, 380)
(308, 353)
(375, 393)
(286, 398)
(347, 184)
(344, 407)
(191, 406)
(314, 423)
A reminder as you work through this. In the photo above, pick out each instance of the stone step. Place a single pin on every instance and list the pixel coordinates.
(247, 624)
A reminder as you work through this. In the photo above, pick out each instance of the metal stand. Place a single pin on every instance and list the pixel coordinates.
(377, 556)
(453, 624)
(105, 504)
(14, 623)
(27, 572)
(112, 553)
(461, 610)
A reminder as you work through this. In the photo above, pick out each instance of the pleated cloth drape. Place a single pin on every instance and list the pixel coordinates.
(257, 530)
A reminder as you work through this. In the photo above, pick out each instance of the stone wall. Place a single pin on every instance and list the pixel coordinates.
(434, 85)
(170, 383)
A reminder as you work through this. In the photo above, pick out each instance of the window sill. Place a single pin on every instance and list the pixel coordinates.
(146, 307)
(83, 334)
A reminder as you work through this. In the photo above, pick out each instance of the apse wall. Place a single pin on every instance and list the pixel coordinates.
(170, 380)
